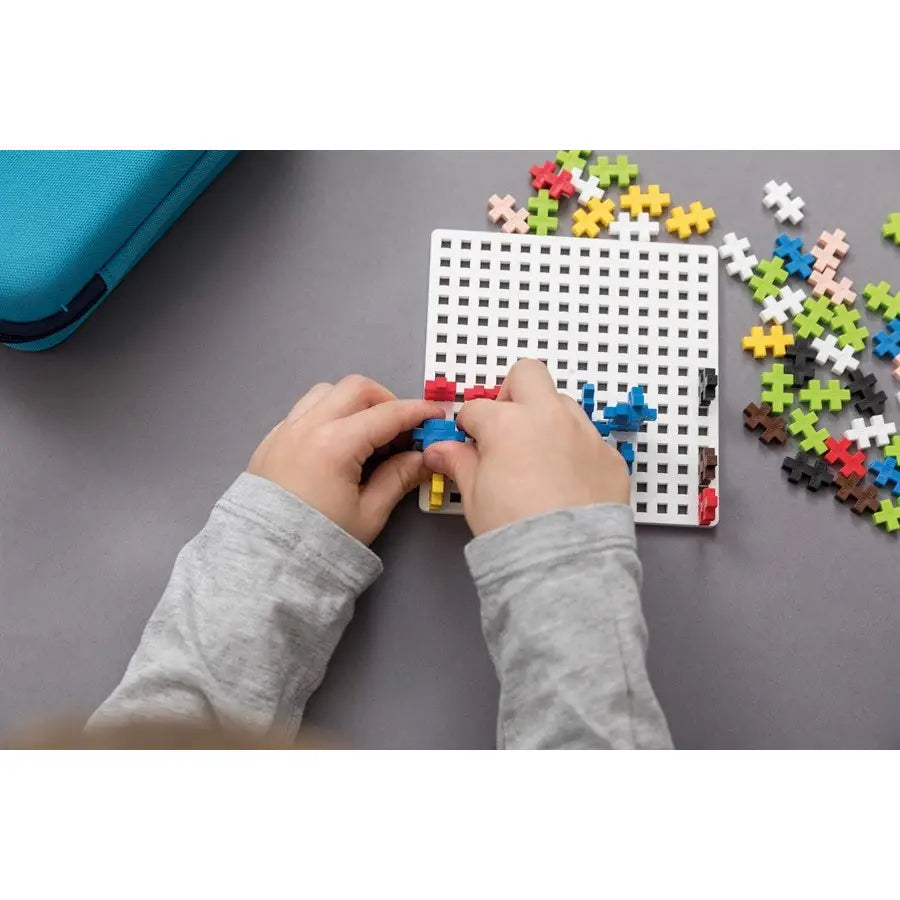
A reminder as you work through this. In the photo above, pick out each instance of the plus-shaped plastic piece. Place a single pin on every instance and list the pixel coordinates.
(876, 429)
(880, 299)
(588, 402)
(830, 249)
(627, 229)
(887, 343)
(543, 205)
(770, 275)
(572, 159)
(892, 450)
(653, 201)
(515, 221)
(888, 516)
(740, 263)
(841, 358)
(433, 430)
(788, 207)
(480, 392)
(849, 487)
(805, 424)
(788, 301)
(626, 451)
(558, 183)
(760, 342)
(440, 389)
(622, 171)
(886, 474)
(697, 219)
(891, 228)
(869, 400)
(840, 452)
(815, 396)
(800, 361)
(631, 415)
(707, 462)
(812, 468)
(825, 285)
(707, 504)
(587, 222)
(791, 251)
(777, 380)
(760, 417)
(843, 321)
(816, 314)
(588, 188)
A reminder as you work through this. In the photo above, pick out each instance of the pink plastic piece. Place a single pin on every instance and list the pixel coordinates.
(824, 285)
(830, 249)
(515, 221)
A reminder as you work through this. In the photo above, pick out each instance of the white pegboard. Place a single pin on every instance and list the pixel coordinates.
(615, 313)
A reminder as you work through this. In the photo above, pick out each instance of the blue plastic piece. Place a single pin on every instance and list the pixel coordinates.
(626, 449)
(886, 474)
(632, 414)
(433, 430)
(587, 400)
(604, 428)
(887, 343)
(791, 251)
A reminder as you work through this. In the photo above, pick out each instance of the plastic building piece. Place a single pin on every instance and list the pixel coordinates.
(588, 188)
(790, 208)
(631, 415)
(433, 430)
(830, 249)
(840, 452)
(587, 222)
(480, 392)
(880, 299)
(572, 159)
(800, 361)
(886, 474)
(789, 301)
(621, 171)
(824, 285)
(796, 262)
(542, 222)
(887, 343)
(760, 417)
(515, 221)
(817, 313)
(805, 424)
(812, 468)
(653, 201)
(815, 396)
(877, 429)
(559, 183)
(707, 462)
(869, 400)
(588, 403)
(707, 504)
(740, 263)
(888, 515)
(891, 228)
(759, 342)
(777, 380)
(436, 492)
(770, 275)
(627, 229)
(841, 358)
(850, 487)
(626, 451)
(709, 381)
(843, 321)
(440, 389)
(893, 448)
(697, 219)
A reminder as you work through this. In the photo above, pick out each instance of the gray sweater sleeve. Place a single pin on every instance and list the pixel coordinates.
(561, 613)
(255, 606)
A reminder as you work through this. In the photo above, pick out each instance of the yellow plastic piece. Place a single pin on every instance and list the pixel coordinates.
(588, 222)
(653, 201)
(436, 494)
(697, 218)
(759, 342)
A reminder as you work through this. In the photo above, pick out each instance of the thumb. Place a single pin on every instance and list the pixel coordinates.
(389, 483)
(457, 460)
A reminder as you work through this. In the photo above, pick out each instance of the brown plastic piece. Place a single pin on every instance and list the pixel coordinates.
(773, 427)
(707, 463)
(849, 488)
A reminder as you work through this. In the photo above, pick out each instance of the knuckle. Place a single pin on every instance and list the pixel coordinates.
(357, 382)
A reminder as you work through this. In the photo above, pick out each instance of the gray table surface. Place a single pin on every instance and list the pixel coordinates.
(781, 628)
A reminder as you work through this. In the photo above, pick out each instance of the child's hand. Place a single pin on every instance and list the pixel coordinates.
(318, 452)
(536, 451)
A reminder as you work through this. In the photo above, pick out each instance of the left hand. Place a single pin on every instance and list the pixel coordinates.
(318, 452)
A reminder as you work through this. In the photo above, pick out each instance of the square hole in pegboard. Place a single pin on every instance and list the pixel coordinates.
(596, 311)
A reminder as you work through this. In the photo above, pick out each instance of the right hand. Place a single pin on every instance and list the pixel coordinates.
(535, 451)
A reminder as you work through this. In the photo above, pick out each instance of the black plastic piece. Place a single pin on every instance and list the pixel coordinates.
(869, 400)
(800, 361)
(709, 381)
(813, 468)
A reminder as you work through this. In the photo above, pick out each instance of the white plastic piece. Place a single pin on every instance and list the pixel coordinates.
(877, 430)
(589, 187)
(640, 229)
(788, 207)
(789, 302)
(608, 312)
(841, 358)
(741, 264)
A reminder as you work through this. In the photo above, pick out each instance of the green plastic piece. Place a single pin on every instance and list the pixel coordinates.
(891, 228)
(542, 222)
(843, 321)
(771, 275)
(622, 171)
(808, 323)
(893, 448)
(777, 379)
(888, 515)
(880, 299)
(805, 424)
(815, 396)
(573, 159)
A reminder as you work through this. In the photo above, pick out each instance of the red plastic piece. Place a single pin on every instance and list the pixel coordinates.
(480, 392)
(440, 389)
(546, 176)
(851, 463)
(709, 503)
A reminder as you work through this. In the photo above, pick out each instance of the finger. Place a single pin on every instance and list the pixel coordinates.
(457, 461)
(528, 381)
(389, 483)
(475, 417)
(351, 394)
(379, 425)
(316, 393)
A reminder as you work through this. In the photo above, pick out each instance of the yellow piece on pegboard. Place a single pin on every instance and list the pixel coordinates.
(436, 494)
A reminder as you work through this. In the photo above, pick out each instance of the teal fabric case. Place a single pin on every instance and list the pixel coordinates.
(74, 222)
